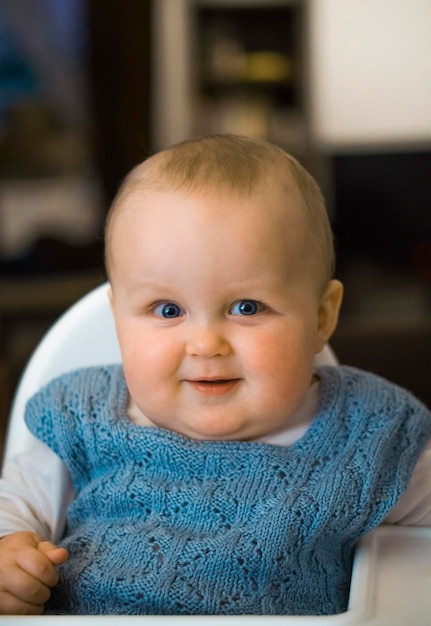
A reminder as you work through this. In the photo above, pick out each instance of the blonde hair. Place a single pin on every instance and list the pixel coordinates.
(233, 163)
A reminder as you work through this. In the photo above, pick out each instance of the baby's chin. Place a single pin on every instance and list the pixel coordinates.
(226, 429)
(217, 425)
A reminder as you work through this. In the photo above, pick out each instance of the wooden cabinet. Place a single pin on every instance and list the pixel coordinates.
(249, 72)
(239, 67)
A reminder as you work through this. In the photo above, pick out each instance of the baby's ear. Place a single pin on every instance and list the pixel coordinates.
(111, 297)
(329, 308)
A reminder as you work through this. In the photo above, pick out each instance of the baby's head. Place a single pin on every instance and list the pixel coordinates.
(234, 165)
(220, 258)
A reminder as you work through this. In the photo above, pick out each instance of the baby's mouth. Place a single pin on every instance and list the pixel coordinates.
(214, 386)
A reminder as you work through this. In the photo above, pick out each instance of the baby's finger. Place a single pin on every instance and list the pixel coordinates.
(38, 565)
(26, 588)
(11, 605)
(56, 555)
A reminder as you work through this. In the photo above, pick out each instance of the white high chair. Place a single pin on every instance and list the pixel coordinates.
(391, 580)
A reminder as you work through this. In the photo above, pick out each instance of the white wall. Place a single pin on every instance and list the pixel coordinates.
(370, 72)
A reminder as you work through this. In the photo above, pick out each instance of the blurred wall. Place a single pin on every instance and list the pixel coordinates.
(370, 63)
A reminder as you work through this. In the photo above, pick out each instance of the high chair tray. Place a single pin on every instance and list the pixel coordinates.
(391, 586)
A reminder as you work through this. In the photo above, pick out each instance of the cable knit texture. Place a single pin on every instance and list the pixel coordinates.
(163, 524)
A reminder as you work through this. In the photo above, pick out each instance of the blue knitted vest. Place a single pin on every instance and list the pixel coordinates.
(163, 524)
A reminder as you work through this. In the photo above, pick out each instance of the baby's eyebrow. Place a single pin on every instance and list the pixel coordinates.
(148, 284)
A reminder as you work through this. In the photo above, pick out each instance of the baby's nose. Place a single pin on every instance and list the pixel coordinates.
(207, 341)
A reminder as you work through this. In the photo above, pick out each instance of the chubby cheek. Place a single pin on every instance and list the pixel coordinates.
(283, 363)
(148, 361)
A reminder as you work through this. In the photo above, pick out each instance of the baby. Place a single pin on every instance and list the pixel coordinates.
(216, 470)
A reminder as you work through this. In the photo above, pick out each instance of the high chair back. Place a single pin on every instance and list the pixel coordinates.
(392, 568)
(83, 336)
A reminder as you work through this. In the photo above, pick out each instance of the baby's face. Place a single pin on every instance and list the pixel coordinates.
(217, 310)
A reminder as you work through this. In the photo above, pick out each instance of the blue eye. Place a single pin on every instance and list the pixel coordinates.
(168, 310)
(247, 307)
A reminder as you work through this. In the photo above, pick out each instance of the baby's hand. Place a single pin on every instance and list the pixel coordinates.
(27, 571)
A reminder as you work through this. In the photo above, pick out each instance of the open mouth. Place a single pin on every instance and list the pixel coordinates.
(214, 387)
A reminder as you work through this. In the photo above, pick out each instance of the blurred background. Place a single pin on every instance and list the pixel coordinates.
(88, 88)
